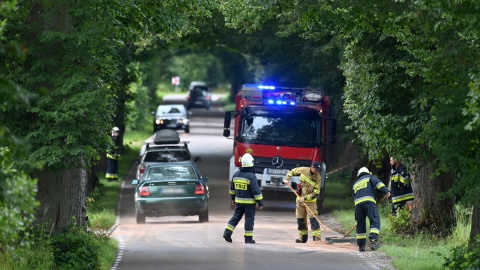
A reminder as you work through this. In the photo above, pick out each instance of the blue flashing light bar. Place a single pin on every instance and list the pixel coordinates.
(266, 87)
(280, 102)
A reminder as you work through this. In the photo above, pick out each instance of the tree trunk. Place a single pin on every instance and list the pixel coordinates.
(430, 212)
(62, 197)
(475, 222)
(92, 181)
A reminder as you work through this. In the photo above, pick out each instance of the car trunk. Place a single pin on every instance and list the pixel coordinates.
(174, 189)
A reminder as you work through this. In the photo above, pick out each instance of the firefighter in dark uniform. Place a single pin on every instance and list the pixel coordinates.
(245, 193)
(365, 206)
(308, 190)
(400, 185)
(113, 156)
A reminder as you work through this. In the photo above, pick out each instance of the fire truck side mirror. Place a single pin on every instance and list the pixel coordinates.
(226, 133)
(227, 120)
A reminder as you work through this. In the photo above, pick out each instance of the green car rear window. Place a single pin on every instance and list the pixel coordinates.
(166, 156)
(172, 173)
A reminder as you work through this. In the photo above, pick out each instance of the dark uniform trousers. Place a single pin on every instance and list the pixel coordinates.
(362, 211)
(242, 209)
(112, 169)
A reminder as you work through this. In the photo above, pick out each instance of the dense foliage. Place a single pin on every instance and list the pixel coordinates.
(70, 70)
(75, 70)
(411, 70)
(464, 257)
(75, 249)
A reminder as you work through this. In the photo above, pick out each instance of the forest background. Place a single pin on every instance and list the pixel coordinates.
(405, 76)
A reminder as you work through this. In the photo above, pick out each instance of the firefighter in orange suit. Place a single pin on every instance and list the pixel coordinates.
(308, 190)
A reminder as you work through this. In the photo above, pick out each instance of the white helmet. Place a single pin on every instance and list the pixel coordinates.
(115, 129)
(362, 170)
(247, 160)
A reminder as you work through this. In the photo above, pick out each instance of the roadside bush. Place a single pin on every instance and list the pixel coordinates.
(76, 249)
(401, 222)
(464, 257)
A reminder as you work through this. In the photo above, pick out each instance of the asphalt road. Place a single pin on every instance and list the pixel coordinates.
(184, 243)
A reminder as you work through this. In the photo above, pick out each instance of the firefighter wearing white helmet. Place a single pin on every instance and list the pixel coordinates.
(246, 194)
(365, 206)
(113, 156)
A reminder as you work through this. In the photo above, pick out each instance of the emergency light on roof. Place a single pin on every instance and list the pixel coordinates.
(280, 96)
(281, 102)
(266, 87)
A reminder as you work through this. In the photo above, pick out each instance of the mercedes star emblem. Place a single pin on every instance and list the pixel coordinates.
(277, 161)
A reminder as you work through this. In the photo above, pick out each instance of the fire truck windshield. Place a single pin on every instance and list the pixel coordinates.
(287, 128)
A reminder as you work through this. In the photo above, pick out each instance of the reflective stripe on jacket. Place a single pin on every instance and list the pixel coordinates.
(400, 184)
(244, 188)
(364, 188)
(310, 183)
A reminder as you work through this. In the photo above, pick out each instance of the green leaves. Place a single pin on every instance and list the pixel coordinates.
(17, 202)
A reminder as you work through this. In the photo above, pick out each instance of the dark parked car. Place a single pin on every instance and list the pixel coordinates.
(165, 147)
(199, 97)
(171, 116)
(171, 189)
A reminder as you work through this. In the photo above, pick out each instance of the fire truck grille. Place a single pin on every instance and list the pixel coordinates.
(288, 164)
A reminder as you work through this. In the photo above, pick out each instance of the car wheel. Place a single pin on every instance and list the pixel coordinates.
(187, 129)
(140, 218)
(203, 216)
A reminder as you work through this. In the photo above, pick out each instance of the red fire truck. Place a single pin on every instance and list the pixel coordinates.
(282, 128)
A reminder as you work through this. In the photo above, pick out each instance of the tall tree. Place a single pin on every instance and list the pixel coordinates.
(410, 67)
(76, 65)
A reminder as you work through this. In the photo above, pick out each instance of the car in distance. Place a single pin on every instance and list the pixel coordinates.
(195, 84)
(171, 116)
(199, 97)
(171, 189)
(165, 147)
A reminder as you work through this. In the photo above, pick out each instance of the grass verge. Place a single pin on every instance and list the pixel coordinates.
(422, 251)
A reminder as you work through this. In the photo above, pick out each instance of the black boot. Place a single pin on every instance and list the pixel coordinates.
(361, 248)
(249, 240)
(302, 239)
(227, 235)
(227, 238)
(374, 245)
(317, 238)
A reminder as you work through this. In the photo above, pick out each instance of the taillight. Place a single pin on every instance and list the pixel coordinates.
(199, 189)
(144, 192)
(141, 169)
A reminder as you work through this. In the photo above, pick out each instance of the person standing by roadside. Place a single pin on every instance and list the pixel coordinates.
(245, 193)
(113, 156)
(307, 190)
(400, 185)
(365, 206)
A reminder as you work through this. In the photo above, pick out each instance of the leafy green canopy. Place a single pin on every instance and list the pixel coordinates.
(412, 71)
(76, 66)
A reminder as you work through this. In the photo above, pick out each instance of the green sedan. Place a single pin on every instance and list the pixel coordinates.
(171, 189)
